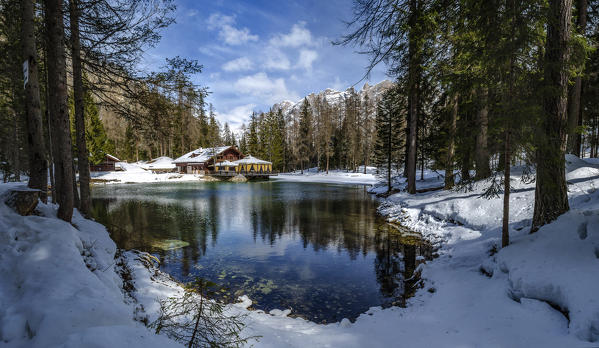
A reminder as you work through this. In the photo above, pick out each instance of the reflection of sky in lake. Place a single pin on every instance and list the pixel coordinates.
(316, 248)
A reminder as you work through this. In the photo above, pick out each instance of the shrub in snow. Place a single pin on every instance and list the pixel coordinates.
(196, 321)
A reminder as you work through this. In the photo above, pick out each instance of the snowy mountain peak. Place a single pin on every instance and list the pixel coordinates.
(334, 98)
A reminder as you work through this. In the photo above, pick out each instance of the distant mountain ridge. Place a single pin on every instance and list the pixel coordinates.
(335, 98)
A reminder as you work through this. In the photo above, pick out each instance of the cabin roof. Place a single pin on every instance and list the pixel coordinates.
(201, 155)
(249, 159)
(112, 157)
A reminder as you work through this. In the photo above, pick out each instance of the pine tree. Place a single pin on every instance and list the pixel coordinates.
(551, 193)
(243, 147)
(213, 129)
(96, 138)
(278, 140)
(38, 167)
(227, 135)
(304, 141)
(388, 123)
(253, 143)
(58, 107)
(378, 24)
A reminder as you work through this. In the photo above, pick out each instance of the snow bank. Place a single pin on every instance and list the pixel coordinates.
(163, 163)
(334, 176)
(141, 172)
(557, 267)
(59, 286)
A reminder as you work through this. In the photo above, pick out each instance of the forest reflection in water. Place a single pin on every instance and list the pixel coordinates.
(318, 249)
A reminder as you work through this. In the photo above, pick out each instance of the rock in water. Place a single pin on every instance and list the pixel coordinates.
(169, 244)
(22, 201)
(239, 178)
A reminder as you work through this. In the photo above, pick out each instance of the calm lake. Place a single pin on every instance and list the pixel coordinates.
(317, 249)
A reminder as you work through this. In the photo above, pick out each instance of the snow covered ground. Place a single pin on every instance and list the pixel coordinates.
(141, 172)
(59, 286)
(334, 176)
(160, 163)
(60, 283)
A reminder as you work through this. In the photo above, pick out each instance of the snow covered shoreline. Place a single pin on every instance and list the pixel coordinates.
(333, 177)
(142, 173)
(61, 283)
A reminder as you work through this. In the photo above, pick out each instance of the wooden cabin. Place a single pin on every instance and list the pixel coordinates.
(107, 165)
(201, 161)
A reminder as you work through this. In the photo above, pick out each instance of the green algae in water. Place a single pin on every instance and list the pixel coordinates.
(169, 244)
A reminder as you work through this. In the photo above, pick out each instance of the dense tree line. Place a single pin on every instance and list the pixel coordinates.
(479, 86)
(482, 84)
(317, 132)
(66, 65)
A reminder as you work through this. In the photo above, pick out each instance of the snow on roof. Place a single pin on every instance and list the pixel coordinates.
(163, 162)
(112, 157)
(200, 155)
(226, 164)
(249, 159)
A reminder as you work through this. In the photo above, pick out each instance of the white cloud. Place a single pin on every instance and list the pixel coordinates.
(306, 58)
(261, 86)
(339, 85)
(236, 116)
(275, 59)
(227, 32)
(239, 64)
(298, 36)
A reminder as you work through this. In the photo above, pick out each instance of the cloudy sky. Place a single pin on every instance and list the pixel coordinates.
(259, 52)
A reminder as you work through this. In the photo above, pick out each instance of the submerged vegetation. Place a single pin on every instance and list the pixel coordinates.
(199, 322)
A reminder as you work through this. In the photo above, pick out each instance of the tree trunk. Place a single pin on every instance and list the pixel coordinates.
(58, 107)
(422, 167)
(505, 233)
(50, 162)
(551, 193)
(16, 154)
(78, 93)
(482, 152)
(389, 140)
(413, 93)
(38, 167)
(76, 200)
(449, 177)
(465, 165)
(573, 144)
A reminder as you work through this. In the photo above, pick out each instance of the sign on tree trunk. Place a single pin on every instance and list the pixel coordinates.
(25, 73)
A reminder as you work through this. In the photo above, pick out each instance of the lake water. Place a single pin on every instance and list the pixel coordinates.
(317, 249)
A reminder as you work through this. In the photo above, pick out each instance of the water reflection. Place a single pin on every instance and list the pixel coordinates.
(318, 249)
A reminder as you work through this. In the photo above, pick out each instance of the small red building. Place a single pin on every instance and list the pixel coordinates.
(108, 165)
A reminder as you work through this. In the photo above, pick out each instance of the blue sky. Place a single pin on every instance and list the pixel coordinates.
(257, 53)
